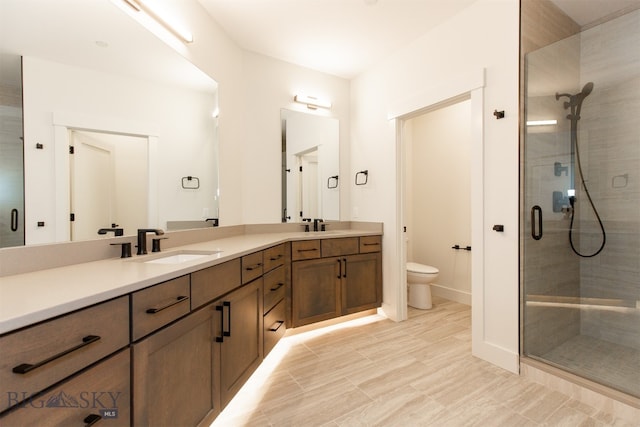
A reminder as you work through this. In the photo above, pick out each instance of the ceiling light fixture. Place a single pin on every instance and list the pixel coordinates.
(312, 102)
(162, 18)
(541, 122)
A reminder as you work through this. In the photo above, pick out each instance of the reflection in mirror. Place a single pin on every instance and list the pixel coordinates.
(310, 164)
(108, 182)
(90, 68)
(11, 161)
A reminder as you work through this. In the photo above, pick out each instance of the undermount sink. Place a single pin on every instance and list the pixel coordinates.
(179, 257)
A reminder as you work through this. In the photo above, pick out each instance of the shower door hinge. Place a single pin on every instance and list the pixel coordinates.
(72, 217)
(71, 149)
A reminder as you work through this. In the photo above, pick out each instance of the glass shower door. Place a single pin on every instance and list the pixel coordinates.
(581, 205)
(11, 153)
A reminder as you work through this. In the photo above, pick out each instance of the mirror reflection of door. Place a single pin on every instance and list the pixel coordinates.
(312, 142)
(109, 181)
(309, 197)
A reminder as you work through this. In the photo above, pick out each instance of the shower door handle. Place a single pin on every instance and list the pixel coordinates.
(14, 219)
(536, 234)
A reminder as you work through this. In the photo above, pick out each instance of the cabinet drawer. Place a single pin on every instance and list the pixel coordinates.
(251, 267)
(370, 244)
(154, 307)
(212, 282)
(339, 247)
(101, 393)
(274, 326)
(37, 357)
(273, 257)
(305, 249)
(274, 285)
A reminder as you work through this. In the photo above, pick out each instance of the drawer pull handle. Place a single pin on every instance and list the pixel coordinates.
(91, 419)
(308, 250)
(276, 257)
(254, 267)
(345, 267)
(372, 244)
(27, 367)
(278, 286)
(274, 328)
(339, 268)
(178, 300)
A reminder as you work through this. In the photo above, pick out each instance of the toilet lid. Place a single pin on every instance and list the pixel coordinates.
(414, 267)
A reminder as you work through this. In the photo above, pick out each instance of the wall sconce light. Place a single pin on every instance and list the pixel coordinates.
(162, 18)
(312, 102)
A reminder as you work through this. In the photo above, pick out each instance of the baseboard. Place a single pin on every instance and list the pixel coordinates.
(451, 294)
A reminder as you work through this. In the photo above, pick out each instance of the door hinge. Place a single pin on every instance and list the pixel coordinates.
(71, 149)
(300, 168)
(72, 217)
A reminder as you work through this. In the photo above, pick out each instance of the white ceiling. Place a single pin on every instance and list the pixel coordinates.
(339, 37)
(345, 37)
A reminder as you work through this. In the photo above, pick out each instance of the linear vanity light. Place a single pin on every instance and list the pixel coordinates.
(161, 18)
(312, 102)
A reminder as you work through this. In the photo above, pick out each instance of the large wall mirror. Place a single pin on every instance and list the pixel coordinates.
(310, 167)
(142, 121)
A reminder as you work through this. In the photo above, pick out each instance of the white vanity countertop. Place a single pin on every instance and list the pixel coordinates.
(29, 298)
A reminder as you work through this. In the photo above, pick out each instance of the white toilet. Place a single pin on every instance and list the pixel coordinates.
(419, 276)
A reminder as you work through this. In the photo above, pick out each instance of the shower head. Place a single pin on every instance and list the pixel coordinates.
(586, 90)
(575, 101)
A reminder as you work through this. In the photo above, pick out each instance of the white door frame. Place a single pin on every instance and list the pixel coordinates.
(469, 85)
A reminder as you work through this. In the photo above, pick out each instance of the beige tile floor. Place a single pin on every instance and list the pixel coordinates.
(376, 372)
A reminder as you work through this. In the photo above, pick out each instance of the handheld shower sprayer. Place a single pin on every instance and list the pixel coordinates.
(575, 103)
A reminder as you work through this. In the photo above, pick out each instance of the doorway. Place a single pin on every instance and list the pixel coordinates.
(438, 196)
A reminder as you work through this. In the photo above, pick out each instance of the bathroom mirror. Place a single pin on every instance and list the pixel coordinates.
(310, 167)
(88, 67)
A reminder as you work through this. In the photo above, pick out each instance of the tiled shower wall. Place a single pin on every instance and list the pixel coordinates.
(609, 133)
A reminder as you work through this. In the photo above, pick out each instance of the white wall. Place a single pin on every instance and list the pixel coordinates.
(440, 199)
(252, 90)
(486, 35)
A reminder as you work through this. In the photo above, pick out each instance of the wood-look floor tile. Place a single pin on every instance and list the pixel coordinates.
(401, 407)
(414, 373)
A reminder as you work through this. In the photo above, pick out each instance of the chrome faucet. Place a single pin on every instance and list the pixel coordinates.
(142, 238)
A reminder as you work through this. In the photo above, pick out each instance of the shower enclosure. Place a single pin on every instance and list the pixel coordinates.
(580, 260)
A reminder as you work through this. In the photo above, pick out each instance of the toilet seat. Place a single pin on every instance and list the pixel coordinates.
(414, 267)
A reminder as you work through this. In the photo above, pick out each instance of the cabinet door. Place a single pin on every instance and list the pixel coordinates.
(101, 393)
(174, 375)
(315, 290)
(362, 282)
(240, 351)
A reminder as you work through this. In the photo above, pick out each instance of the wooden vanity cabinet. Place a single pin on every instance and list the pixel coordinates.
(346, 279)
(175, 373)
(100, 393)
(238, 337)
(35, 358)
(159, 305)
